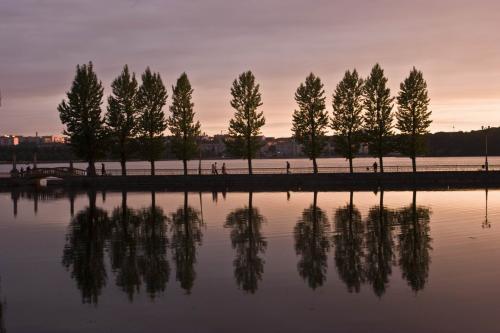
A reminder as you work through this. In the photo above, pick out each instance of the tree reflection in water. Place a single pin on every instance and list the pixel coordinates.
(152, 262)
(186, 235)
(125, 248)
(137, 242)
(380, 256)
(247, 239)
(348, 240)
(135, 239)
(83, 253)
(414, 244)
(312, 243)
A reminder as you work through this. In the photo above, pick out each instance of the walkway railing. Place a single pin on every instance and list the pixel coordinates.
(305, 170)
(66, 172)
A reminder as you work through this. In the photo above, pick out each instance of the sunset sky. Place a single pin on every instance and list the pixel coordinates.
(455, 43)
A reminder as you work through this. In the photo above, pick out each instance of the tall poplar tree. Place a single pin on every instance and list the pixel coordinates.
(181, 122)
(81, 114)
(246, 125)
(347, 120)
(413, 115)
(151, 98)
(310, 121)
(378, 118)
(122, 114)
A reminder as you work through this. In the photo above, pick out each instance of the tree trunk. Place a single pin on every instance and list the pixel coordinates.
(351, 169)
(250, 171)
(184, 163)
(381, 162)
(124, 200)
(414, 163)
(152, 167)
(91, 171)
(315, 165)
(123, 164)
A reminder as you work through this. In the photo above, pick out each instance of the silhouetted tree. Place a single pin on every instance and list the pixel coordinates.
(312, 243)
(379, 245)
(121, 118)
(347, 120)
(81, 114)
(245, 127)
(247, 239)
(151, 98)
(348, 242)
(125, 248)
(414, 244)
(153, 263)
(310, 121)
(413, 116)
(83, 253)
(186, 235)
(378, 117)
(181, 122)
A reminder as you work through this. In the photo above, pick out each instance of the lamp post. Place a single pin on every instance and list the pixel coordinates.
(485, 146)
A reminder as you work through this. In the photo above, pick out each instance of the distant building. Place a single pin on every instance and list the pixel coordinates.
(9, 140)
(213, 146)
(50, 139)
(287, 147)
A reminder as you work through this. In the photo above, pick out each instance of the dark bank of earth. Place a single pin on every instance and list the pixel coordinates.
(278, 182)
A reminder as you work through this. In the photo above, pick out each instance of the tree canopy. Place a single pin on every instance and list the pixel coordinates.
(378, 118)
(347, 120)
(184, 129)
(81, 114)
(413, 114)
(151, 98)
(245, 127)
(121, 118)
(310, 121)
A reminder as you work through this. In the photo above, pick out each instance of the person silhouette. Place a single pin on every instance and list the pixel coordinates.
(375, 165)
(224, 171)
(287, 167)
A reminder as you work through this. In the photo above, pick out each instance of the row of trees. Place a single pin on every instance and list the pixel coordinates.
(362, 111)
(134, 111)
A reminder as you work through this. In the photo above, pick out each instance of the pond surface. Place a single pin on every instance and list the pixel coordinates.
(250, 262)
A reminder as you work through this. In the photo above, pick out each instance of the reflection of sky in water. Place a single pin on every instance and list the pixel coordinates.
(268, 265)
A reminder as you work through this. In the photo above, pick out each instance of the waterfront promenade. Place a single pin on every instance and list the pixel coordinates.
(272, 179)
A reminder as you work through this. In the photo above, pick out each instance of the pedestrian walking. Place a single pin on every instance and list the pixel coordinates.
(375, 165)
(224, 171)
(215, 168)
(103, 169)
(287, 167)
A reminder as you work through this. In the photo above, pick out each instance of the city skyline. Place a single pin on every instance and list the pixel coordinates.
(214, 42)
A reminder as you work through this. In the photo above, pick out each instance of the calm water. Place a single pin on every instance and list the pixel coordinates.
(240, 262)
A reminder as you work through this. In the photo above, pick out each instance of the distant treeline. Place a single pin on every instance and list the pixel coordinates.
(463, 143)
(437, 144)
